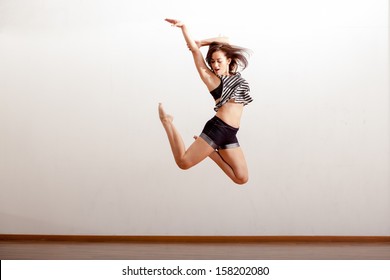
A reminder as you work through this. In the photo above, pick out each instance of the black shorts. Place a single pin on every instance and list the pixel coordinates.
(219, 134)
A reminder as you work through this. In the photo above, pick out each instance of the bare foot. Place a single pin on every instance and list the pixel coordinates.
(164, 117)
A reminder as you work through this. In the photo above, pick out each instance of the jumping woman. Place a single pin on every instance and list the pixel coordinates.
(230, 91)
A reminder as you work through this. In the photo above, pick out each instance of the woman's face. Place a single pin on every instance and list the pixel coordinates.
(220, 63)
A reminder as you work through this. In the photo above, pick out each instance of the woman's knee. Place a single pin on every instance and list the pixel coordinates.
(241, 178)
(184, 164)
(242, 181)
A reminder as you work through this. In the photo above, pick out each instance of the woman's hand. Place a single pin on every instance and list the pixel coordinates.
(175, 22)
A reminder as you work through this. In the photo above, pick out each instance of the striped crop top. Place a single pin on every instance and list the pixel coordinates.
(231, 87)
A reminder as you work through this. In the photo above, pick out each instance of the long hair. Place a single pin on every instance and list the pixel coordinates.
(238, 55)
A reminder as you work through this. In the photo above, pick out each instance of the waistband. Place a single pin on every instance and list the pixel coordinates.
(224, 123)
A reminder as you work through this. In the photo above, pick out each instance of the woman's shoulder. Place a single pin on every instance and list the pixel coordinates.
(236, 77)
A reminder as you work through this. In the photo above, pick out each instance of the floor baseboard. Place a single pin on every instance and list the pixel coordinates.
(191, 239)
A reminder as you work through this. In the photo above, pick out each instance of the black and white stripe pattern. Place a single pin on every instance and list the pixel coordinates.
(234, 87)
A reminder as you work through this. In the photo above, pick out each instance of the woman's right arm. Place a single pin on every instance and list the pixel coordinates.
(208, 77)
(207, 42)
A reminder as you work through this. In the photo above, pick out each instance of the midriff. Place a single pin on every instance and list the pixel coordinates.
(231, 113)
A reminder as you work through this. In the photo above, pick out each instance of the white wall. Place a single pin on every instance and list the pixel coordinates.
(82, 150)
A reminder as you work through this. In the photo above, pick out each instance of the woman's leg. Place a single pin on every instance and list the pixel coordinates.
(233, 163)
(185, 159)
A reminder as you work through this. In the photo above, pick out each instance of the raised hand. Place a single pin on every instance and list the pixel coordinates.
(174, 22)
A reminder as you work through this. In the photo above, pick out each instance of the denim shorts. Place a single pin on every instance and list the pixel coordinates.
(219, 134)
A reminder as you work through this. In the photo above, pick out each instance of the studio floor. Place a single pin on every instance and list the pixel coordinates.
(66, 250)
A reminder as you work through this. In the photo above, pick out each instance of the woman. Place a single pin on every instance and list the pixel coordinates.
(231, 92)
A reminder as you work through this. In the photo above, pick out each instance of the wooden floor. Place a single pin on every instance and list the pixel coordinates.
(56, 250)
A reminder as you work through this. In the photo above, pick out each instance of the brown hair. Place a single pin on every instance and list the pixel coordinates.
(237, 54)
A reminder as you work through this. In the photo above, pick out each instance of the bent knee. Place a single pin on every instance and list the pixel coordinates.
(183, 164)
(241, 179)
